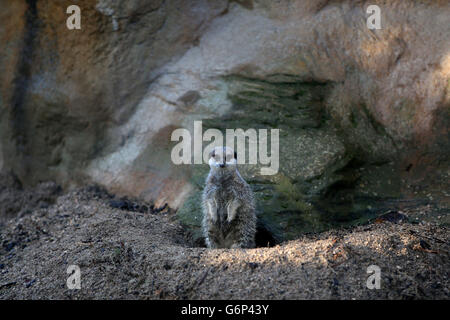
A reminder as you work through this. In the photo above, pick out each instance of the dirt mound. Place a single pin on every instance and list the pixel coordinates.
(18, 201)
(126, 254)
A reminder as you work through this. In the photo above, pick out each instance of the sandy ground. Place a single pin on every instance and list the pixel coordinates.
(129, 253)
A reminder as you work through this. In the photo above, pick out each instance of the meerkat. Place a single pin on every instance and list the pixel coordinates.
(229, 219)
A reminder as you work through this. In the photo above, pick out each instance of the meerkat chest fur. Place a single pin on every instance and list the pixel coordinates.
(224, 191)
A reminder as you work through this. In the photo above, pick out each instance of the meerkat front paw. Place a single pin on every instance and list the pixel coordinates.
(232, 210)
(212, 210)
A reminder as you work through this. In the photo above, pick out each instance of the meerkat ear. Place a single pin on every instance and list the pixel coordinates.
(235, 155)
(212, 153)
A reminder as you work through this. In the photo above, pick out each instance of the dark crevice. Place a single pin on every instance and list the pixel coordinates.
(22, 78)
(247, 4)
(265, 237)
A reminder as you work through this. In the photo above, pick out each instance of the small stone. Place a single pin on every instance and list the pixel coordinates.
(424, 244)
(30, 283)
(10, 246)
(253, 265)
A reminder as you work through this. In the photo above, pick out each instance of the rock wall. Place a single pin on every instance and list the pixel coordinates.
(359, 110)
(66, 94)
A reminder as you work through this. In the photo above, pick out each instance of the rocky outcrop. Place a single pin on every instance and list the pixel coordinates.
(359, 110)
(65, 93)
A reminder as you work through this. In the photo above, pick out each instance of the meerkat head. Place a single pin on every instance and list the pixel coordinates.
(222, 159)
